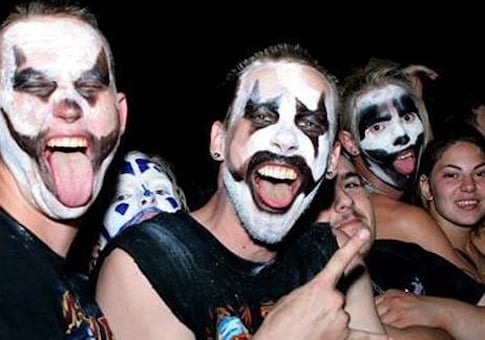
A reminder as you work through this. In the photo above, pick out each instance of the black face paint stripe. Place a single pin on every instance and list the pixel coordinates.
(371, 115)
(19, 56)
(94, 80)
(404, 105)
(318, 118)
(261, 114)
(29, 80)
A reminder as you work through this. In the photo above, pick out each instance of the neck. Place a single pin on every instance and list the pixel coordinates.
(219, 218)
(458, 236)
(57, 235)
(376, 184)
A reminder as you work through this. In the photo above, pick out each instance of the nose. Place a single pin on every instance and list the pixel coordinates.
(147, 197)
(285, 140)
(468, 184)
(402, 140)
(68, 109)
(343, 201)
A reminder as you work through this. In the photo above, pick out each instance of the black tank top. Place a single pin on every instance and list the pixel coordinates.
(409, 267)
(212, 291)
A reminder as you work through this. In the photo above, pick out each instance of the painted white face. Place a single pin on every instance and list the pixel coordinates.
(142, 191)
(60, 122)
(280, 134)
(390, 133)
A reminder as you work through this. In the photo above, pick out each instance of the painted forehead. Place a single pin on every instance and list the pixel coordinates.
(55, 46)
(138, 164)
(376, 97)
(284, 84)
(376, 105)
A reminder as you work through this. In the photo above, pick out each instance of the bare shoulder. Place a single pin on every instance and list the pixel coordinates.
(408, 223)
(122, 287)
(404, 221)
(400, 213)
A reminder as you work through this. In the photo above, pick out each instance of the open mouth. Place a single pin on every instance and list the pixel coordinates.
(405, 162)
(71, 169)
(275, 186)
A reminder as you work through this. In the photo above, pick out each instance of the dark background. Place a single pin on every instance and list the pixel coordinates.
(172, 56)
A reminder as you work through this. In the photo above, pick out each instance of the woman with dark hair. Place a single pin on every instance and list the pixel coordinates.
(452, 189)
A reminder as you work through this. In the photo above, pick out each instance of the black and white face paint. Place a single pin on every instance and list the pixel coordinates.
(60, 120)
(390, 133)
(280, 135)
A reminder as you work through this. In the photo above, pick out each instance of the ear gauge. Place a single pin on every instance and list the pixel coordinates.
(329, 174)
(216, 156)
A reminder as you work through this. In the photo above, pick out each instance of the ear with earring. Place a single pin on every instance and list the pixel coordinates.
(329, 174)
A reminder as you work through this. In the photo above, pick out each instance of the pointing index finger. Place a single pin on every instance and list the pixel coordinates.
(342, 257)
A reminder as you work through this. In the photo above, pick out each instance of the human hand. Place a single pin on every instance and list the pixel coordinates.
(400, 309)
(415, 72)
(343, 238)
(315, 310)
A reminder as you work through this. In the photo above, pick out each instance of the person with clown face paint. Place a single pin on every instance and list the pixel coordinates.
(384, 131)
(61, 119)
(240, 266)
(146, 185)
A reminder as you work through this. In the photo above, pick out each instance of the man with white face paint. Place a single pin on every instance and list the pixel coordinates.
(60, 123)
(390, 125)
(146, 186)
(221, 271)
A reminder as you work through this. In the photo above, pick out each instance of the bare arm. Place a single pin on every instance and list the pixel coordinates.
(461, 320)
(417, 332)
(361, 306)
(359, 299)
(315, 310)
(133, 309)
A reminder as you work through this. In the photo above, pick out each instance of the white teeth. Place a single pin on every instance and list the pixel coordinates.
(278, 172)
(67, 142)
(406, 155)
(465, 203)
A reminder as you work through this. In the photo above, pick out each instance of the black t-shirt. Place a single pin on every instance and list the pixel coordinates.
(406, 266)
(215, 293)
(39, 299)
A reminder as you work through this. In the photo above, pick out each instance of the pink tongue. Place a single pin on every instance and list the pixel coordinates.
(275, 195)
(73, 177)
(404, 166)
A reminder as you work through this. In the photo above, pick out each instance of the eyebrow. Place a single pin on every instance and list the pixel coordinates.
(371, 115)
(457, 167)
(404, 104)
(29, 74)
(350, 174)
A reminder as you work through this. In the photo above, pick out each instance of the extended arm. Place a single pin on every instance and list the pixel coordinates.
(133, 308)
(462, 320)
